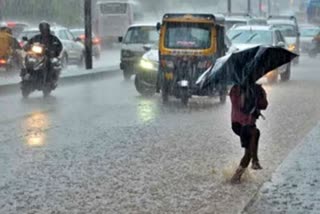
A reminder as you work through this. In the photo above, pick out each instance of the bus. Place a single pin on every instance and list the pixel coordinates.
(113, 17)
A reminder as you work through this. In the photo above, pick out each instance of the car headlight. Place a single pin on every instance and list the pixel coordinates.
(147, 65)
(292, 47)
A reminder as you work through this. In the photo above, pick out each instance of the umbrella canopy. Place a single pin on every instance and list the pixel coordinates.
(246, 66)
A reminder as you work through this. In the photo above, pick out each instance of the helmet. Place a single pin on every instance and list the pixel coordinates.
(3, 26)
(44, 27)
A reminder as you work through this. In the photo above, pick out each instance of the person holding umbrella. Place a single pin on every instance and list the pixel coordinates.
(243, 69)
(247, 103)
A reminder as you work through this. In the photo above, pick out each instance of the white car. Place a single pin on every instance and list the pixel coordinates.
(244, 37)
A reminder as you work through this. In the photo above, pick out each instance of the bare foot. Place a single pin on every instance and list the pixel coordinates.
(236, 178)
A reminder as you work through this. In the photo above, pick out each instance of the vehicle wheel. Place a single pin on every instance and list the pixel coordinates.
(81, 61)
(286, 75)
(142, 89)
(25, 90)
(184, 96)
(127, 74)
(64, 61)
(223, 97)
(46, 91)
(165, 92)
(9, 69)
(98, 56)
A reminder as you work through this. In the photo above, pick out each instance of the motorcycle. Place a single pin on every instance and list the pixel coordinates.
(35, 74)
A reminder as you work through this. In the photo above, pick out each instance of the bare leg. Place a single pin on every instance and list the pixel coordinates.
(254, 150)
(245, 161)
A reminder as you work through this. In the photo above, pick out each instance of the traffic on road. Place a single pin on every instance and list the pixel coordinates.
(190, 107)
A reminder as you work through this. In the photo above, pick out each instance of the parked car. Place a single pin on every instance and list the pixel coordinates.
(308, 32)
(138, 39)
(244, 37)
(96, 42)
(288, 25)
(73, 50)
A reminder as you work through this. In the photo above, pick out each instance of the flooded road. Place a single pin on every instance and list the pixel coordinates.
(99, 147)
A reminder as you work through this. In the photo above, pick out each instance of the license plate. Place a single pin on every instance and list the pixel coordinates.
(168, 76)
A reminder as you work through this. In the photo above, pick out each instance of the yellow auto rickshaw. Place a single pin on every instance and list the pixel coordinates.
(189, 45)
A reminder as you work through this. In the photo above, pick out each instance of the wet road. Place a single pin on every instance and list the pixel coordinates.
(98, 147)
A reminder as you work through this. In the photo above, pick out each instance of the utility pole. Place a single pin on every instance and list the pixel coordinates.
(249, 6)
(269, 7)
(229, 7)
(88, 33)
(260, 8)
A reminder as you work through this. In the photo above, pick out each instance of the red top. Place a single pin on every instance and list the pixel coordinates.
(237, 116)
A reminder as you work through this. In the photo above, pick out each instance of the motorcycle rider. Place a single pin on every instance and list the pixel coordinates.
(9, 45)
(53, 45)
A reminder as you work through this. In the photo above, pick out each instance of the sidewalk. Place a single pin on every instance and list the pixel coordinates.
(295, 186)
(109, 61)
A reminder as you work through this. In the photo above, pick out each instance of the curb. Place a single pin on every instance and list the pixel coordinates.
(283, 178)
(64, 80)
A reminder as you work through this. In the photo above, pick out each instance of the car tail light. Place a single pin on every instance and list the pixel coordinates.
(3, 61)
(82, 37)
(96, 41)
(11, 24)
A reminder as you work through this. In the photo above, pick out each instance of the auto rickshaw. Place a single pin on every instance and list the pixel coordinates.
(189, 45)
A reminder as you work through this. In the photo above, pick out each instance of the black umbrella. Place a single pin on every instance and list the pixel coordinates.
(246, 66)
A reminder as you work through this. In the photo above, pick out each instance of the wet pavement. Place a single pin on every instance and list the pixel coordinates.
(294, 187)
(99, 147)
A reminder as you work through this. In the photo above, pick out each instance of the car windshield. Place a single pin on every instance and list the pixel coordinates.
(239, 36)
(231, 23)
(287, 30)
(188, 36)
(309, 32)
(142, 35)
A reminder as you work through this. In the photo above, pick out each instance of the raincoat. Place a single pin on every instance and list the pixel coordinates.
(51, 42)
(6, 42)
